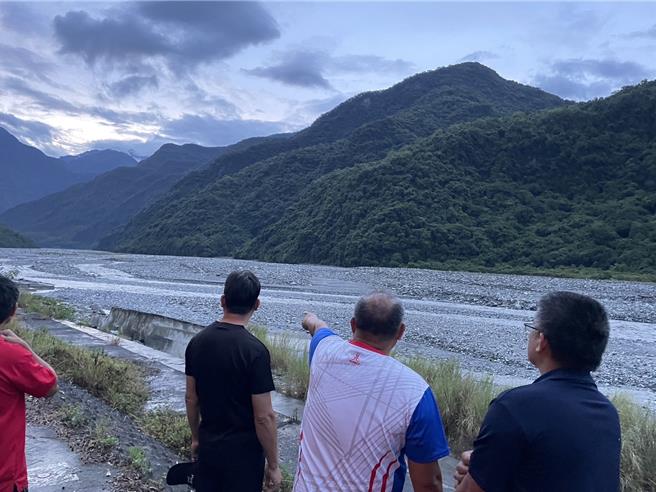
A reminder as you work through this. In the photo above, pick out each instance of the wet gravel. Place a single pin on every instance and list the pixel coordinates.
(474, 318)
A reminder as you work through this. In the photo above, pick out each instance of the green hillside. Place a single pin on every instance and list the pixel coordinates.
(570, 187)
(9, 239)
(220, 209)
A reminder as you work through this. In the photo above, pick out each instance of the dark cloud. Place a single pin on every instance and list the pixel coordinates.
(111, 39)
(207, 130)
(310, 68)
(583, 79)
(33, 132)
(301, 68)
(479, 56)
(647, 33)
(183, 33)
(132, 85)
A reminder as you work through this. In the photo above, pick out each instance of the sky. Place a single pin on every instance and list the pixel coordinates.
(134, 75)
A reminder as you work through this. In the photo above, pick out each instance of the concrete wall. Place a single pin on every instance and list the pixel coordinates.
(159, 332)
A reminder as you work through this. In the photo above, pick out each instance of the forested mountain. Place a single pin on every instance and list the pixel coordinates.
(9, 239)
(27, 173)
(80, 215)
(220, 209)
(570, 187)
(94, 162)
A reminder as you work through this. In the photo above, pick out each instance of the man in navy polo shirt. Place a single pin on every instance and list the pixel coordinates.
(559, 433)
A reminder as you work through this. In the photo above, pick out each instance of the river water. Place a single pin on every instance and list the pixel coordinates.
(474, 318)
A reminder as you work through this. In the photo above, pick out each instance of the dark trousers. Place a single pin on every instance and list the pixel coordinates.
(230, 468)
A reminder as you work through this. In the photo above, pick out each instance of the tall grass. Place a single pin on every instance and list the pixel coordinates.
(50, 308)
(288, 360)
(120, 383)
(638, 445)
(463, 399)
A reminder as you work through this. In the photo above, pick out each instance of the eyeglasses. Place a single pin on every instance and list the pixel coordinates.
(531, 326)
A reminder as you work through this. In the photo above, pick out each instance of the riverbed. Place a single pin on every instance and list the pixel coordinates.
(476, 319)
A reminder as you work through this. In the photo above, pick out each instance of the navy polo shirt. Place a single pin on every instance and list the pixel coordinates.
(557, 434)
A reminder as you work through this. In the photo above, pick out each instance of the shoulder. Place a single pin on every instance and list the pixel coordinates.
(11, 352)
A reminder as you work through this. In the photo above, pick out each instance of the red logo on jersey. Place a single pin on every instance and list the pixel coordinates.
(355, 359)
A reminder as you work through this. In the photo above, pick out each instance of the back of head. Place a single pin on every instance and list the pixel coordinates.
(241, 290)
(576, 327)
(8, 298)
(379, 314)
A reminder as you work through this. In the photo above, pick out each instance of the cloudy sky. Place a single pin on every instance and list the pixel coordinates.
(131, 76)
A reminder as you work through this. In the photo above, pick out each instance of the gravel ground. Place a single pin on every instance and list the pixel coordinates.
(474, 318)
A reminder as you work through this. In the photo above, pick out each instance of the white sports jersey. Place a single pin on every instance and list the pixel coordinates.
(365, 412)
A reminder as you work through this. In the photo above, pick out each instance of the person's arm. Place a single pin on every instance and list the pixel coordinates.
(266, 428)
(497, 453)
(425, 477)
(311, 323)
(318, 330)
(35, 376)
(193, 414)
(426, 443)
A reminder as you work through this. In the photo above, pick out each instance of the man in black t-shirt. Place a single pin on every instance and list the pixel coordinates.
(559, 433)
(229, 381)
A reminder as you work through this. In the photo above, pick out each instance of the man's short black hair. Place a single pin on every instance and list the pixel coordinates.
(380, 314)
(576, 327)
(241, 290)
(8, 298)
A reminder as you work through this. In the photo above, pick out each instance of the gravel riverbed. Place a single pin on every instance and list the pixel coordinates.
(472, 317)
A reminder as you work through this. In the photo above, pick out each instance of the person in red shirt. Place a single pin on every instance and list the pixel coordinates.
(21, 372)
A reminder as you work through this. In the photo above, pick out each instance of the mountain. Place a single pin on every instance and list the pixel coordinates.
(81, 214)
(219, 209)
(27, 173)
(569, 187)
(9, 239)
(94, 162)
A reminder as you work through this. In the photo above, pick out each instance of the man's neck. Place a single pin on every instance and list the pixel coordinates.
(235, 319)
(548, 366)
(385, 347)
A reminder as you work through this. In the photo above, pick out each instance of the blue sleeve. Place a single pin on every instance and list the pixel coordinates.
(425, 441)
(497, 450)
(319, 335)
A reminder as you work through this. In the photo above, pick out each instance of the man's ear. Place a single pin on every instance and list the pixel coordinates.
(401, 332)
(223, 304)
(543, 343)
(354, 325)
(257, 305)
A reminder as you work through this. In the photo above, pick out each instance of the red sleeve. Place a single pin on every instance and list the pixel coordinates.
(26, 374)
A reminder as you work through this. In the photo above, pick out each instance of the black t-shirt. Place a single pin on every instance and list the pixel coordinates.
(557, 434)
(229, 365)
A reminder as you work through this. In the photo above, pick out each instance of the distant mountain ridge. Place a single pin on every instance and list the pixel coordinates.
(29, 174)
(218, 210)
(79, 215)
(95, 162)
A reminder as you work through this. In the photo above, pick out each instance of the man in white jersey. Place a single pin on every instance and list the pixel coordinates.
(365, 411)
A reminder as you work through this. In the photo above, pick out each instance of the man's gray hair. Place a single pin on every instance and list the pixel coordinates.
(380, 314)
